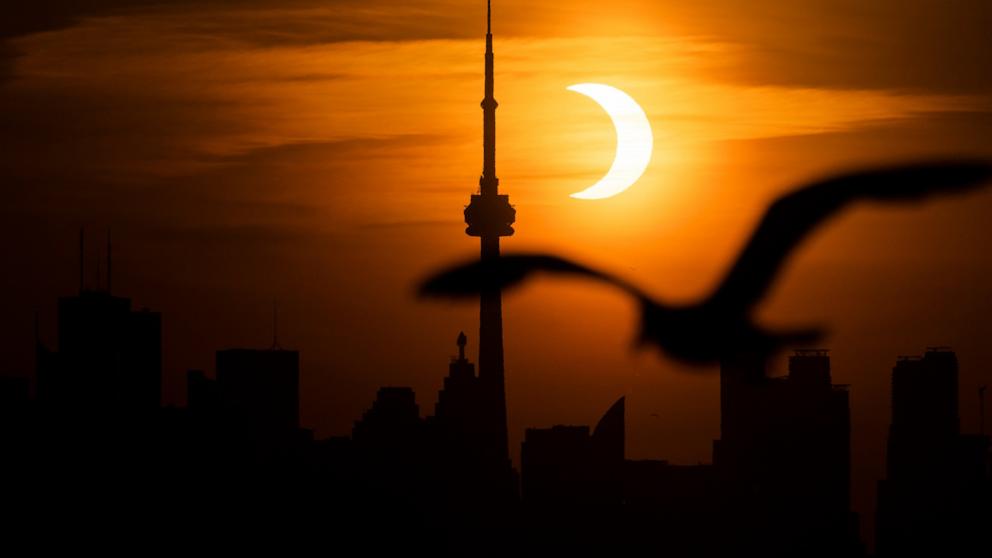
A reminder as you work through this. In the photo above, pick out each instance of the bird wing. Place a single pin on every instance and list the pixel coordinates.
(794, 216)
(473, 277)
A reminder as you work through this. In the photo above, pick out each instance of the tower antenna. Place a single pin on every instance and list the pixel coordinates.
(490, 216)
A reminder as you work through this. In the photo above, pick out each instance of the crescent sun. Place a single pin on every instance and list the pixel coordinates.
(635, 140)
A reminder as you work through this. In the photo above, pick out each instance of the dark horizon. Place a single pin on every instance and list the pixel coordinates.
(567, 472)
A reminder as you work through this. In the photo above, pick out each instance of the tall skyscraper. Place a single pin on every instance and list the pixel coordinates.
(935, 498)
(784, 456)
(392, 423)
(456, 412)
(489, 216)
(109, 358)
(569, 469)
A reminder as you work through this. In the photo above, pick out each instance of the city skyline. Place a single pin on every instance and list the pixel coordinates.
(213, 223)
(246, 394)
(188, 255)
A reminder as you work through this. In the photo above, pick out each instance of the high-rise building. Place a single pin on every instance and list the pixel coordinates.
(109, 357)
(936, 493)
(392, 473)
(569, 469)
(489, 216)
(784, 456)
(202, 395)
(392, 422)
(259, 390)
(457, 411)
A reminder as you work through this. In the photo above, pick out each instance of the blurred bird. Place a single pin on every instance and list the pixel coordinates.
(721, 325)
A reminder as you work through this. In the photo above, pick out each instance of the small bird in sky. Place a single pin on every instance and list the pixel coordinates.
(721, 325)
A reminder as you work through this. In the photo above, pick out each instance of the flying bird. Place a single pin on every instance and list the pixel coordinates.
(721, 325)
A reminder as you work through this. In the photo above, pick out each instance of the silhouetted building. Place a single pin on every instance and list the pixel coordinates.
(202, 393)
(609, 446)
(565, 468)
(489, 216)
(392, 422)
(393, 472)
(457, 411)
(14, 392)
(572, 487)
(259, 390)
(15, 416)
(556, 468)
(673, 510)
(935, 498)
(462, 451)
(109, 357)
(783, 457)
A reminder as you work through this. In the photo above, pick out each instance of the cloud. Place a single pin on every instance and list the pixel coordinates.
(312, 186)
(253, 22)
(243, 113)
(918, 45)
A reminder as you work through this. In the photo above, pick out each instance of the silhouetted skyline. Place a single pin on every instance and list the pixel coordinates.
(779, 482)
(321, 155)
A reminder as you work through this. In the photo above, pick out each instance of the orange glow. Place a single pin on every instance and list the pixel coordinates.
(323, 156)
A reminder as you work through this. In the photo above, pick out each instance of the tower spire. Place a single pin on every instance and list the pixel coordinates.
(489, 216)
(488, 183)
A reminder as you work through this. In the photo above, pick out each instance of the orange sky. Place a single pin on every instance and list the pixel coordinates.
(321, 153)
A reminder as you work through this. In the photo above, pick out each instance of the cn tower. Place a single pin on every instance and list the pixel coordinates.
(489, 216)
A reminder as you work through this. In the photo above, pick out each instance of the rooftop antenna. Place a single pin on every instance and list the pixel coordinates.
(81, 260)
(109, 261)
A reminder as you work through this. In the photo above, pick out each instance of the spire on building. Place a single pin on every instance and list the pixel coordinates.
(489, 216)
(488, 183)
